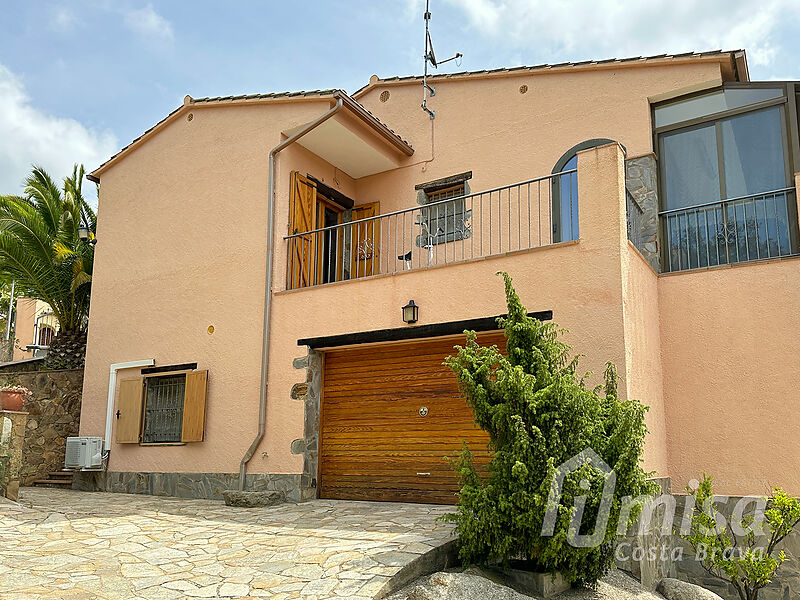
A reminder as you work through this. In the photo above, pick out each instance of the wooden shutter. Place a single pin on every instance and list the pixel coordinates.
(303, 209)
(129, 411)
(194, 406)
(365, 241)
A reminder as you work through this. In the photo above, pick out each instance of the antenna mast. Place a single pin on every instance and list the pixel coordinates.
(430, 57)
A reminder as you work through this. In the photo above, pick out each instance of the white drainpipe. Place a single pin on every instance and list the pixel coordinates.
(262, 403)
(112, 388)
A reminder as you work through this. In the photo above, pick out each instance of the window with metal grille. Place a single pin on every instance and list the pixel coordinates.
(445, 221)
(163, 409)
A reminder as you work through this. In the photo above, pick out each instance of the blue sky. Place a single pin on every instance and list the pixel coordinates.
(80, 79)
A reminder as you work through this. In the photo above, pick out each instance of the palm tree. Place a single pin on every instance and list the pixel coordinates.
(40, 249)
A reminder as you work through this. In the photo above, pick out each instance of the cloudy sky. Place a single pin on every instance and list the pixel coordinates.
(80, 79)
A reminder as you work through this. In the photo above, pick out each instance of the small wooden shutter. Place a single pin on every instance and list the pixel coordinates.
(129, 411)
(303, 209)
(194, 406)
(366, 241)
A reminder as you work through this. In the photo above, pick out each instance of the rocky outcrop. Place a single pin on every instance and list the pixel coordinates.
(675, 589)
(479, 584)
(459, 586)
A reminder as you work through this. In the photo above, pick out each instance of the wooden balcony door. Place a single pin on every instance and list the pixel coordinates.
(365, 240)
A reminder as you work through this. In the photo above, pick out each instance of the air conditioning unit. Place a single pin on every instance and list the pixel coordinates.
(84, 453)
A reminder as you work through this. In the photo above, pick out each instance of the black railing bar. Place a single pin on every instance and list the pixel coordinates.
(777, 228)
(432, 204)
(726, 201)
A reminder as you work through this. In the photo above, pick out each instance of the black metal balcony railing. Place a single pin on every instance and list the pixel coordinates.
(740, 229)
(497, 221)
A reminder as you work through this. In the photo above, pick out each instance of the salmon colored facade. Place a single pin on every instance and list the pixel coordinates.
(179, 273)
(35, 325)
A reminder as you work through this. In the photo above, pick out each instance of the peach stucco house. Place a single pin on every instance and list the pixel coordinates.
(35, 326)
(647, 205)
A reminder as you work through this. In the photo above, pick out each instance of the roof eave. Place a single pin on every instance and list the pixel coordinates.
(370, 119)
(737, 60)
(354, 107)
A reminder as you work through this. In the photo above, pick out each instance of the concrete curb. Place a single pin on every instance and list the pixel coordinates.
(439, 558)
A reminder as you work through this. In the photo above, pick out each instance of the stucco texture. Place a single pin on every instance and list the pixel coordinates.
(729, 348)
(182, 246)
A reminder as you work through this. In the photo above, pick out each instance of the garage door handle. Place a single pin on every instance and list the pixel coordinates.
(423, 473)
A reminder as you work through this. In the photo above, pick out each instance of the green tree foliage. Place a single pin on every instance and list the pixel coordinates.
(539, 414)
(41, 251)
(747, 561)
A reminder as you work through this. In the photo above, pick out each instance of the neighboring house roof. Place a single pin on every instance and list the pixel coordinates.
(353, 105)
(738, 66)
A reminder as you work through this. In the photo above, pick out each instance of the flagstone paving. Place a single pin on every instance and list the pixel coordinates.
(63, 544)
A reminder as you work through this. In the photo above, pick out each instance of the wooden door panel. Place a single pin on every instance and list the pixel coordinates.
(303, 211)
(375, 445)
(129, 411)
(365, 241)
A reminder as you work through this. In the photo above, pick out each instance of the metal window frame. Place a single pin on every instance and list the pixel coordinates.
(789, 134)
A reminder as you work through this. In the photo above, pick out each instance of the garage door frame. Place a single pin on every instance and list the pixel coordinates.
(382, 338)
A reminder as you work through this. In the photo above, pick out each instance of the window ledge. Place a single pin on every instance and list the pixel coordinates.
(162, 443)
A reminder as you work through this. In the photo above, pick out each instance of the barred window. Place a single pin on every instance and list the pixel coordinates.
(444, 221)
(163, 409)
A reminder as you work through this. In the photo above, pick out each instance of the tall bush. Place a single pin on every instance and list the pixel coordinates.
(539, 414)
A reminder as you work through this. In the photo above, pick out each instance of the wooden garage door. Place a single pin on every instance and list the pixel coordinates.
(375, 443)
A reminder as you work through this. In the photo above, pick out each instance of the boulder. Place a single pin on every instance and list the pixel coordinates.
(675, 589)
(484, 584)
(461, 586)
(252, 499)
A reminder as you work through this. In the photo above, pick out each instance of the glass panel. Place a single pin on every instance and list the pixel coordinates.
(710, 104)
(690, 167)
(753, 151)
(568, 203)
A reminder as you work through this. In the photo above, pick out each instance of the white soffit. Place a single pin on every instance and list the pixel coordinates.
(344, 149)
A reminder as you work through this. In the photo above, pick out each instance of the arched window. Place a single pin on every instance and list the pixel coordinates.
(46, 335)
(565, 191)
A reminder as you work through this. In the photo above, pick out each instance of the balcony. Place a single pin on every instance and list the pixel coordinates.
(747, 228)
(518, 217)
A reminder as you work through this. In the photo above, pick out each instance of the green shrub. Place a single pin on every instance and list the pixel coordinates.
(539, 413)
(747, 561)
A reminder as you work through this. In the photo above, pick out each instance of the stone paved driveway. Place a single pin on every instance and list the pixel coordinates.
(61, 544)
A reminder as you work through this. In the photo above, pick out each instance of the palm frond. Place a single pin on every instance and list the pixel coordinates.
(40, 248)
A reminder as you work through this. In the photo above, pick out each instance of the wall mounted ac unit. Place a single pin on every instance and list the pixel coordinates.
(84, 453)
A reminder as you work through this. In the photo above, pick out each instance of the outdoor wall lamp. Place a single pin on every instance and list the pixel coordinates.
(410, 312)
(85, 235)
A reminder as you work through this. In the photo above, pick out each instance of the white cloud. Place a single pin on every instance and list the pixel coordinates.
(29, 136)
(148, 23)
(63, 20)
(583, 29)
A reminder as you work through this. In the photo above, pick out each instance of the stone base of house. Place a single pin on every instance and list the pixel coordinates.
(210, 486)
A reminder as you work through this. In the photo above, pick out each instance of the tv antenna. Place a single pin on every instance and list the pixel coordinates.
(430, 57)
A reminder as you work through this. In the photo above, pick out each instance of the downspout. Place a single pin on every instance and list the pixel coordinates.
(112, 388)
(262, 404)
